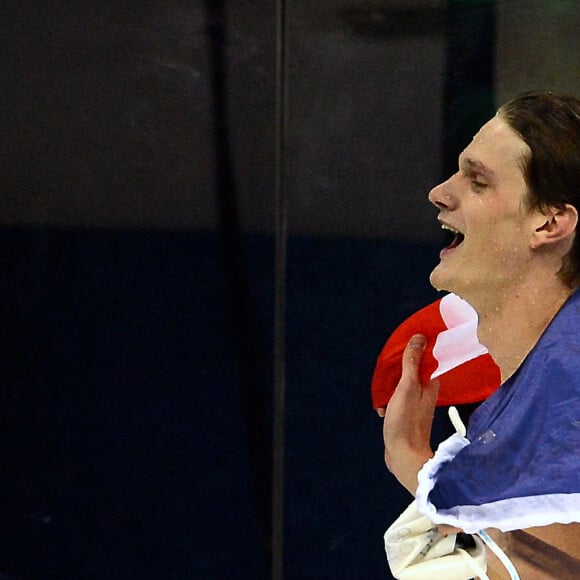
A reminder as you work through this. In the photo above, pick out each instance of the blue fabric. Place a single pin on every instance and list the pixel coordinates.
(524, 441)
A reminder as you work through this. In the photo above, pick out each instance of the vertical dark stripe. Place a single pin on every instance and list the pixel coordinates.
(280, 298)
(241, 309)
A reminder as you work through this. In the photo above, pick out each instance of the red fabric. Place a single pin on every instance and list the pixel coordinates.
(470, 382)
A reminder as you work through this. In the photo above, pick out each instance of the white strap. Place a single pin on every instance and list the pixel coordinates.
(500, 554)
(456, 421)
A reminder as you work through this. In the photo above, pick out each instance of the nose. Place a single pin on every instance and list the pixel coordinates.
(442, 197)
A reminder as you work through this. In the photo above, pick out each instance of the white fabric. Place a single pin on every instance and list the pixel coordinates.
(459, 343)
(417, 551)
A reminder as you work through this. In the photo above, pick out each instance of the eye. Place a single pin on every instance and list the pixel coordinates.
(477, 181)
(478, 184)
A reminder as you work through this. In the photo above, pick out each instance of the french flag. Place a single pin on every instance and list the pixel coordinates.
(454, 355)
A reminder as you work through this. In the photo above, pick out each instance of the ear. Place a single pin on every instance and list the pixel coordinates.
(557, 224)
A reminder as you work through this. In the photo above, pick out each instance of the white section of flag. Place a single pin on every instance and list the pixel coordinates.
(459, 343)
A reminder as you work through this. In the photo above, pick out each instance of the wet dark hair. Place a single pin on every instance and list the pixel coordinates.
(550, 125)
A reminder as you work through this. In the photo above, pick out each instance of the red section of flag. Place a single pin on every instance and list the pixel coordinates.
(469, 382)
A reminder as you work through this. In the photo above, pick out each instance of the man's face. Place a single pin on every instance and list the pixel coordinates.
(484, 204)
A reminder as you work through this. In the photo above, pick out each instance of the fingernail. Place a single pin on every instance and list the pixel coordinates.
(418, 341)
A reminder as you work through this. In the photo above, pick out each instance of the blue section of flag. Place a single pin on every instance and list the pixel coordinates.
(525, 439)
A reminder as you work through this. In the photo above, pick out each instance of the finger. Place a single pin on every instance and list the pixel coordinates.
(381, 411)
(412, 358)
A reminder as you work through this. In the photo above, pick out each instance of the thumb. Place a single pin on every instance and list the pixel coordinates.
(412, 356)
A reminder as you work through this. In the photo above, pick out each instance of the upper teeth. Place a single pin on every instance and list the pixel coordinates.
(444, 227)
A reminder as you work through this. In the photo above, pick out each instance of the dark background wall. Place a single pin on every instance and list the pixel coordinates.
(137, 267)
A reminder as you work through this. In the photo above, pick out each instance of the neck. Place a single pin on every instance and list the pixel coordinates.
(511, 323)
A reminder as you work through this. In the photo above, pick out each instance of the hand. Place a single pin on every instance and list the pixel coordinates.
(409, 418)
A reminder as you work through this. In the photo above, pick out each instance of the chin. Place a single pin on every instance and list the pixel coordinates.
(443, 282)
(438, 280)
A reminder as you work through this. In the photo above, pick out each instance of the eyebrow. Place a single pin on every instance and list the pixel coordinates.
(476, 165)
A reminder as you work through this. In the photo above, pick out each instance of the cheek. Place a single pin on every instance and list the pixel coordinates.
(504, 244)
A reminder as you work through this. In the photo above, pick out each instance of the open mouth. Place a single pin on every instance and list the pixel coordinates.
(453, 237)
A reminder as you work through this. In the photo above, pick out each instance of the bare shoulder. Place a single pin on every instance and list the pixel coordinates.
(542, 553)
(564, 537)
